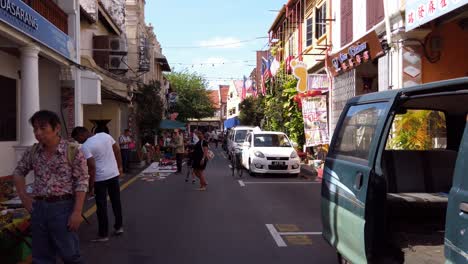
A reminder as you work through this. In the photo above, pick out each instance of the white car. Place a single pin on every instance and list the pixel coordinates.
(237, 136)
(270, 152)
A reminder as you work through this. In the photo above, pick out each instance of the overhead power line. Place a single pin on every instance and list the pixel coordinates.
(214, 45)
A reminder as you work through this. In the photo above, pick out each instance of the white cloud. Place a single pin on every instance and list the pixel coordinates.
(221, 43)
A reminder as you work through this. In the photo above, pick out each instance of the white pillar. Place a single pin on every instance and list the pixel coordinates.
(29, 92)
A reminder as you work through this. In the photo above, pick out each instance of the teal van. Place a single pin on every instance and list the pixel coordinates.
(395, 182)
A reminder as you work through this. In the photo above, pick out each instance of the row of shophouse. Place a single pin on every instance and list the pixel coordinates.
(353, 47)
(83, 59)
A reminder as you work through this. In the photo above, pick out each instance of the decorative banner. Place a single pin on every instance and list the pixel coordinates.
(314, 112)
(419, 12)
(317, 82)
(299, 70)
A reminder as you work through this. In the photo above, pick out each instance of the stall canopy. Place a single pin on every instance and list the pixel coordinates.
(231, 122)
(171, 124)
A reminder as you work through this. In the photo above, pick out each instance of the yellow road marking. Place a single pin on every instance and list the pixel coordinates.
(300, 240)
(92, 210)
(287, 228)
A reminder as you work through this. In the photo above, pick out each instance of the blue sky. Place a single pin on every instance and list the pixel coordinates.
(182, 26)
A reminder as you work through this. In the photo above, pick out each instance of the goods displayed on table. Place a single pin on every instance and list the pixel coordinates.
(158, 170)
(15, 236)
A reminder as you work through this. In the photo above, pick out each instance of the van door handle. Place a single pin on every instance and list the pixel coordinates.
(358, 180)
(464, 207)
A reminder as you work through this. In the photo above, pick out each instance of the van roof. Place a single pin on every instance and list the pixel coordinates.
(243, 127)
(433, 87)
(268, 132)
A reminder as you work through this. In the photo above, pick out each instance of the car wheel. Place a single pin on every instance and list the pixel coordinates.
(251, 173)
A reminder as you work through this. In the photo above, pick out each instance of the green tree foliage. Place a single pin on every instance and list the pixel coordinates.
(415, 130)
(193, 101)
(252, 111)
(282, 113)
(149, 108)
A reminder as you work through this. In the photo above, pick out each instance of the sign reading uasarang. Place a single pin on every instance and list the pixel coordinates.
(22, 17)
(20, 13)
(361, 51)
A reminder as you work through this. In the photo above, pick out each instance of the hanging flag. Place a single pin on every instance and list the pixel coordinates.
(274, 68)
(266, 73)
(254, 89)
(244, 89)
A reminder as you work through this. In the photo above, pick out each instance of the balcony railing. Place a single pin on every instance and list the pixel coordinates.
(50, 11)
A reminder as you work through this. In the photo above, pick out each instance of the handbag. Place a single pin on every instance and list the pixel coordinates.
(131, 145)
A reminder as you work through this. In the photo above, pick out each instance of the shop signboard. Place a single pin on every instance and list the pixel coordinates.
(361, 51)
(419, 12)
(143, 55)
(314, 112)
(317, 82)
(25, 19)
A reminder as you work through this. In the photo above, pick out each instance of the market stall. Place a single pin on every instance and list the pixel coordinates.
(15, 233)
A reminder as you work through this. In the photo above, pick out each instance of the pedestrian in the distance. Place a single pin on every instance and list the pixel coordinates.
(178, 145)
(59, 189)
(200, 159)
(105, 165)
(124, 141)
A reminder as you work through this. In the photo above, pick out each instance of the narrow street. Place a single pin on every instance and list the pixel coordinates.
(248, 220)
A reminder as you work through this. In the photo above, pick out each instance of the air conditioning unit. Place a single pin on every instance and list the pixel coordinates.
(118, 62)
(117, 44)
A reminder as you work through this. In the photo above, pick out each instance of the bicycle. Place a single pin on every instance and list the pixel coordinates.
(236, 164)
(188, 161)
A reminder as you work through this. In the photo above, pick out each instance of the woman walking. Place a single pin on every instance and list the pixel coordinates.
(200, 159)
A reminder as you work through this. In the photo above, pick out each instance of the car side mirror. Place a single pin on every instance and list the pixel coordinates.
(246, 144)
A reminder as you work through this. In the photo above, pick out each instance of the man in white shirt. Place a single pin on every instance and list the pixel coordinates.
(125, 140)
(105, 166)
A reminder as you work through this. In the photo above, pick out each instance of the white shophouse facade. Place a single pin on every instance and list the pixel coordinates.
(37, 72)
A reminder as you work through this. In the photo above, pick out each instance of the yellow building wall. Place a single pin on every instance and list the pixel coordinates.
(108, 110)
(453, 61)
(318, 45)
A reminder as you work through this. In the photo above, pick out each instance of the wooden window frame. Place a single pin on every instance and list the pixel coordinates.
(309, 31)
(320, 21)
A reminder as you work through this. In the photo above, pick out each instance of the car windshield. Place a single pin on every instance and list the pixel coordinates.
(271, 140)
(240, 135)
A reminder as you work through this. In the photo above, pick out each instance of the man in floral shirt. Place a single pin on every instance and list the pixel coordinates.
(59, 189)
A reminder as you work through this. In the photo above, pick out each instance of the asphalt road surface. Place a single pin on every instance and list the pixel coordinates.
(237, 220)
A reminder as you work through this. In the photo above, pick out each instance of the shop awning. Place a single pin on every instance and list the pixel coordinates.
(171, 124)
(162, 60)
(231, 122)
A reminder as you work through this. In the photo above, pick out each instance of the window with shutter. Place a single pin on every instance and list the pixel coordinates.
(346, 21)
(309, 31)
(8, 109)
(374, 12)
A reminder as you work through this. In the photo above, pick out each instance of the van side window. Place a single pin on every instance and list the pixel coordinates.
(418, 130)
(357, 132)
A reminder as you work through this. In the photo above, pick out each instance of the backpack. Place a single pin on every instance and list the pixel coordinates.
(72, 148)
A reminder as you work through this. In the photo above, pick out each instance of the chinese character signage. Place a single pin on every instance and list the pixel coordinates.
(419, 12)
(143, 56)
(25, 19)
(314, 112)
(363, 50)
